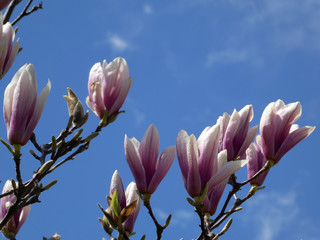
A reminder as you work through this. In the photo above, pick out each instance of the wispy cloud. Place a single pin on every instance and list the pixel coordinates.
(266, 28)
(180, 217)
(272, 214)
(147, 9)
(135, 109)
(117, 43)
(226, 56)
(269, 218)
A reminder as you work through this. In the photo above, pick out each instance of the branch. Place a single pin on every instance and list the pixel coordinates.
(25, 11)
(146, 203)
(9, 11)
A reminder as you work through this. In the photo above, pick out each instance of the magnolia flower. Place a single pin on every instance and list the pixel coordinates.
(3, 4)
(8, 51)
(21, 106)
(147, 169)
(200, 162)
(125, 200)
(108, 86)
(235, 135)
(15, 223)
(256, 161)
(277, 131)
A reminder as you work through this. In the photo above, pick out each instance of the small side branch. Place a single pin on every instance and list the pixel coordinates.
(25, 11)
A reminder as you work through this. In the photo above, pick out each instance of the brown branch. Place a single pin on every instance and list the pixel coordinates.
(160, 228)
(9, 10)
(25, 11)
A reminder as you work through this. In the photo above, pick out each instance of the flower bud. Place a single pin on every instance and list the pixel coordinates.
(15, 223)
(256, 161)
(235, 135)
(277, 131)
(123, 205)
(200, 162)
(8, 50)
(147, 169)
(75, 109)
(108, 86)
(22, 107)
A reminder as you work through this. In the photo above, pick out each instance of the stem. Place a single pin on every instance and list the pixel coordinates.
(25, 11)
(160, 228)
(205, 231)
(17, 160)
(267, 166)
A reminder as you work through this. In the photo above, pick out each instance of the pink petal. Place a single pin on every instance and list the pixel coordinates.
(41, 101)
(293, 138)
(193, 179)
(181, 146)
(223, 122)
(115, 74)
(231, 132)
(122, 96)
(149, 151)
(135, 164)
(163, 165)
(225, 172)
(208, 144)
(116, 184)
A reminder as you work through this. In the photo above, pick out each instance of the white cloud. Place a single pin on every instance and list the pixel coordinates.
(226, 56)
(135, 108)
(147, 9)
(180, 217)
(118, 43)
(273, 215)
(266, 28)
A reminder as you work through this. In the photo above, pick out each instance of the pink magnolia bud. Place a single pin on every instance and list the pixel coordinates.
(21, 106)
(125, 198)
(235, 135)
(116, 184)
(108, 86)
(3, 4)
(147, 169)
(256, 161)
(277, 131)
(131, 196)
(15, 223)
(200, 162)
(8, 51)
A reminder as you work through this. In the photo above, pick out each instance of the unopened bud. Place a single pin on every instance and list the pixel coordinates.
(45, 166)
(75, 109)
(77, 134)
(105, 225)
(91, 136)
(47, 187)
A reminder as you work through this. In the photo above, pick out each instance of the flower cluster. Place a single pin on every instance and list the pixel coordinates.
(207, 164)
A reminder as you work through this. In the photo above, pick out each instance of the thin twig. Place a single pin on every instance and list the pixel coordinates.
(9, 10)
(25, 11)
(158, 226)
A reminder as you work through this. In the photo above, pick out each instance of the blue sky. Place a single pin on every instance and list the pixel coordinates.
(190, 61)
